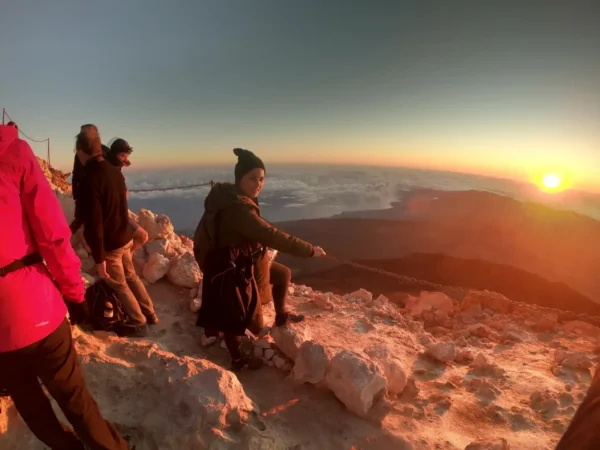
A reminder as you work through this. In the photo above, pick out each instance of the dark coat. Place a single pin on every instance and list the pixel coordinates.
(240, 225)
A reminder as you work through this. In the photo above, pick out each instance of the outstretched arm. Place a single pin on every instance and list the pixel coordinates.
(254, 227)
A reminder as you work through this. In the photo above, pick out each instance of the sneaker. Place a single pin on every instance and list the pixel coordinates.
(282, 319)
(251, 362)
(134, 331)
(152, 319)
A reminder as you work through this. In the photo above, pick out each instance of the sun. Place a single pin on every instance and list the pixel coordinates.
(552, 181)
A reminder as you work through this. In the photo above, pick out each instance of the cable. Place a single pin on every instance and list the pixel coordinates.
(188, 186)
(21, 131)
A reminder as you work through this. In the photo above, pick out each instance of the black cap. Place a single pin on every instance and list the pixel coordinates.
(120, 146)
(247, 161)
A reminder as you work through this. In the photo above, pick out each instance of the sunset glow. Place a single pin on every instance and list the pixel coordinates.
(552, 182)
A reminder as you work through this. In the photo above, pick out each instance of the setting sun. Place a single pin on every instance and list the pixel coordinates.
(552, 182)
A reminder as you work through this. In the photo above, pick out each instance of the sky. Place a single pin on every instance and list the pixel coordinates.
(497, 88)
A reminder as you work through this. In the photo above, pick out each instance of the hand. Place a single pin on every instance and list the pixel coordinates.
(78, 312)
(101, 270)
(140, 236)
(318, 252)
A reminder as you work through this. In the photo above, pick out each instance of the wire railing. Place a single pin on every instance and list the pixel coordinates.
(22, 133)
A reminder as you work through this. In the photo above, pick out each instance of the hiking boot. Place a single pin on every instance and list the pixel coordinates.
(282, 319)
(251, 362)
(152, 319)
(134, 331)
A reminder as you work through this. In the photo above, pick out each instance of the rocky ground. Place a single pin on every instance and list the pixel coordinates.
(418, 372)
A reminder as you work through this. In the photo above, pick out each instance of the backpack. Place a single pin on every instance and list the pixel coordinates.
(106, 311)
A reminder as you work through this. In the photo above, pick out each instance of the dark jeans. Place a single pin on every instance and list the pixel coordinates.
(583, 432)
(281, 277)
(54, 361)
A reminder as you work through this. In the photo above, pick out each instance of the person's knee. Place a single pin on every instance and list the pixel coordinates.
(281, 274)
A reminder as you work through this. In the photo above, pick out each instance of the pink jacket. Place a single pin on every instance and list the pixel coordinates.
(31, 220)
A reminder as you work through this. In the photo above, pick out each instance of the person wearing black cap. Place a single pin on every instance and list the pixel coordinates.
(103, 209)
(119, 152)
(231, 224)
(118, 155)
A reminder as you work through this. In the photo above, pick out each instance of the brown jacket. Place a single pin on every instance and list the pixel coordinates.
(240, 224)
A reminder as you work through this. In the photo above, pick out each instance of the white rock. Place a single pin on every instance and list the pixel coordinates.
(355, 381)
(290, 337)
(581, 328)
(184, 271)
(176, 246)
(429, 301)
(278, 361)
(195, 304)
(378, 352)
(513, 333)
(443, 351)
(156, 267)
(156, 225)
(361, 295)
(481, 365)
(160, 246)
(381, 302)
(323, 301)
(465, 355)
(258, 352)
(207, 341)
(395, 375)
(484, 444)
(269, 353)
(392, 367)
(82, 253)
(223, 345)
(187, 242)
(194, 292)
(311, 363)
(88, 264)
(140, 258)
(573, 360)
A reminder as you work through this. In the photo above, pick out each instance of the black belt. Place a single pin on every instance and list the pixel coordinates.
(25, 261)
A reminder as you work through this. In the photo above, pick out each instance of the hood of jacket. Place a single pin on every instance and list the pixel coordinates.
(8, 134)
(225, 195)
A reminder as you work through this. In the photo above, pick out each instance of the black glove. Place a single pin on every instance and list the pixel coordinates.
(78, 312)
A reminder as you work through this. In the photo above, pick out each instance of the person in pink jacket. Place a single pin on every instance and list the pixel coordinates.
(35, 336)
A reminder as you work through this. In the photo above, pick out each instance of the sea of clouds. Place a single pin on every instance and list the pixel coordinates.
(294, 193)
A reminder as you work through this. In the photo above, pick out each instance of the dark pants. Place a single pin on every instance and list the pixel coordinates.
(583, 432)
(54, 361)
(280, 278)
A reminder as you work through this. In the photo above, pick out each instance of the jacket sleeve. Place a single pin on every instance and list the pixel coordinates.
(254, 227)
(76, 178)
(91, 216)
(49, 228)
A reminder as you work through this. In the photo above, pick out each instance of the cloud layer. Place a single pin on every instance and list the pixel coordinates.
(304, 193)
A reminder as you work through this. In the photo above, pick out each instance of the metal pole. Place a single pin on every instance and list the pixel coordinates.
(48, 152)
(3, 113)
